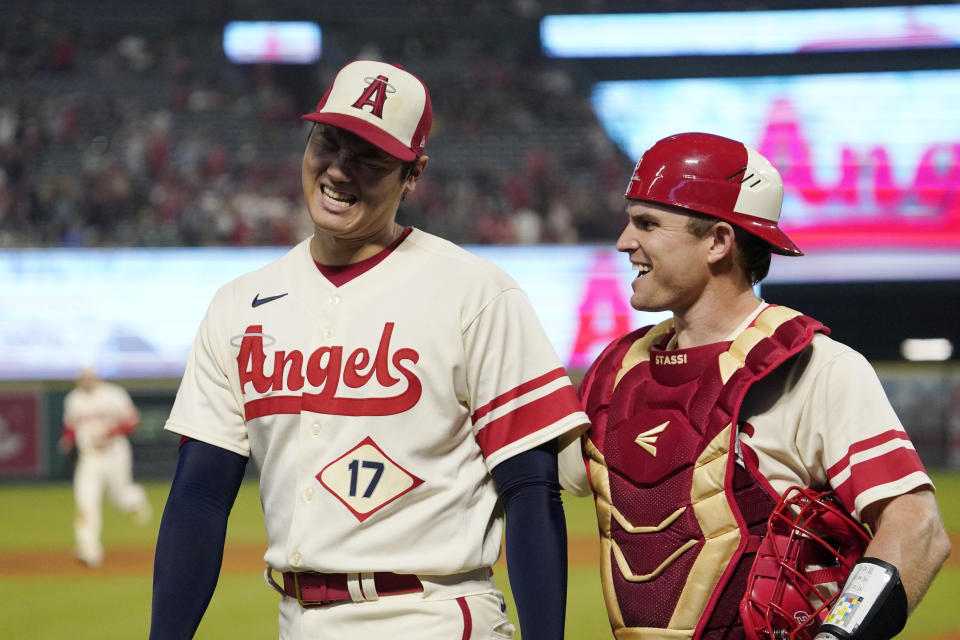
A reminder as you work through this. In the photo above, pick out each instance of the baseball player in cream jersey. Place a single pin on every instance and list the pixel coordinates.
(398, 396)
(97, 417)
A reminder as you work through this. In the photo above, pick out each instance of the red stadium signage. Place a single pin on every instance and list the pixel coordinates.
(870, 161)
(867, 205)
(21, 435)
(604, 312)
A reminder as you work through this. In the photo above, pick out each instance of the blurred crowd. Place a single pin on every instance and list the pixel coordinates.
(156, 139)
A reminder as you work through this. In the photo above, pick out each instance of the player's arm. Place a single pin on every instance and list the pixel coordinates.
(191, 538)
(67, 439)
(572, 467)
(536, 540)
(908, 548)
(909, 534)
(841, 422)
(125, 426)
(128, 418)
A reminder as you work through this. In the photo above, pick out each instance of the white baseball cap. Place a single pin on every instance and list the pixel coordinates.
(380, 102)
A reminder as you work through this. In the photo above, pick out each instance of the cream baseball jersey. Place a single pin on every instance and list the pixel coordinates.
(94, 416)
(375, 410)
(825, 421)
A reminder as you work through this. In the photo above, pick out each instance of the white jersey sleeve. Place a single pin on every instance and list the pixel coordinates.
(822, 420)
(517, 404)
(572, 469)
(208, 406)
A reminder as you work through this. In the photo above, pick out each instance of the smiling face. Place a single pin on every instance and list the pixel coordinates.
(351, 187)
(672, 262)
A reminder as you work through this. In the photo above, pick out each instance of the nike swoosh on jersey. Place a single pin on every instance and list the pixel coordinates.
(257, 300)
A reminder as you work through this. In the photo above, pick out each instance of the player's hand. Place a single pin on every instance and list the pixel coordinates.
(65, 445)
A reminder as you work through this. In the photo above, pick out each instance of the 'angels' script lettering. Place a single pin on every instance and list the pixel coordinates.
(325, 368)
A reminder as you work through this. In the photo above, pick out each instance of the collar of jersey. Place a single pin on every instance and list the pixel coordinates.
(339, 275)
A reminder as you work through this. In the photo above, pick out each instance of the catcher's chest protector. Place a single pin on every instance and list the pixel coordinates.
(679, 518)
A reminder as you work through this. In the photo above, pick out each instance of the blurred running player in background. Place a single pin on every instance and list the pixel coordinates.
(97, 418)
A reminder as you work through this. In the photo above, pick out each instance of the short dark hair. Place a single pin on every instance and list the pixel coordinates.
(408, 169)
(753, 253)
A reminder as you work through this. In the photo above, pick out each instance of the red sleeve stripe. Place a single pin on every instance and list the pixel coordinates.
(513, 404)
(518, 391)
(864, 445)
(527, 419)
(889, 467)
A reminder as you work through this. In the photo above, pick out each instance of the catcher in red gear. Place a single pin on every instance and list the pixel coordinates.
(702, 424)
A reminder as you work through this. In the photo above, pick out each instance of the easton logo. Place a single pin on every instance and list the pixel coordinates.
(375, 95)
(648, 439)
(326, 368)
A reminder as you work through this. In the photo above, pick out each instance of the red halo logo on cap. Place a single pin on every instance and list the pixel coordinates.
(375, 95)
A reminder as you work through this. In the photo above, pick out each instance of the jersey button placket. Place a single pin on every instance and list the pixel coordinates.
(332, 301)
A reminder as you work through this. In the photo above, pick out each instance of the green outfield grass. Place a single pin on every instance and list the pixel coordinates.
(103, 606)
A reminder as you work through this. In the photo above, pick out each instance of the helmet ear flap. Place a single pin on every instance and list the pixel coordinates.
(808, 551)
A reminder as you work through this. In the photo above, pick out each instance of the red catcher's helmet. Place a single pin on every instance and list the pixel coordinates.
(809, 549)
(718, 176)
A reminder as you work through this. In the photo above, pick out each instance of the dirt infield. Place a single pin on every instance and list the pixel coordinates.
(237, 558)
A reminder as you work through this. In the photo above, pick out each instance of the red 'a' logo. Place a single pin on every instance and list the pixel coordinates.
(374, 95)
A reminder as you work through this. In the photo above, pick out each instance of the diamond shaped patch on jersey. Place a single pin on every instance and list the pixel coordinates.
(365, 479)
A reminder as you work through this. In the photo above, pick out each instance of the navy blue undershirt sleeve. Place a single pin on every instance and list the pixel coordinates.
(191, 538)
(536, 540)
